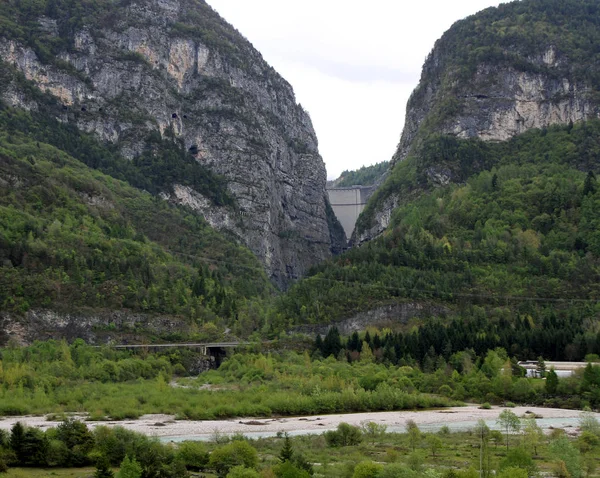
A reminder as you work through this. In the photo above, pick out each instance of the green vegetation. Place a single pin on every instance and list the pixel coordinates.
(365, 176)
(73, 237)
(433, 455)
(55, 377)
(508, 259)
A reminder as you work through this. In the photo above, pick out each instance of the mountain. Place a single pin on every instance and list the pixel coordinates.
(485, 232)
(492, 76)
(364, 176)
(83, 254)
(188, 109)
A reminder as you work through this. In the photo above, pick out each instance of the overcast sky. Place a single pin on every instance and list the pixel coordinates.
(352, 63)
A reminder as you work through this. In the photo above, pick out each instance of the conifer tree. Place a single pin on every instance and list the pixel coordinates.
(551, 382)
(589, 185)
(287, 452)
(17, 441)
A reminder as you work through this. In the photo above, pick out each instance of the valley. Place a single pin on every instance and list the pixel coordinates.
(161, 185)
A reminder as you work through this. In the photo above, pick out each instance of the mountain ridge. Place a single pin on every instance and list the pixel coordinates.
(495, 75)
(126, 71)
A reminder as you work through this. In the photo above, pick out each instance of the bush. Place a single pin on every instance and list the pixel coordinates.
(243, 472)
(397, 470)
(345, 435)
(290, 470)
(519, 458)
(193, 455)
(367, 469)
(236, 453)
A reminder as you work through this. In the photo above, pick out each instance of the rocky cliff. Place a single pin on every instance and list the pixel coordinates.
(126, 70)
(493, 76)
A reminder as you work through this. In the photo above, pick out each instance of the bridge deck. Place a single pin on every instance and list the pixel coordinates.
(223, 345)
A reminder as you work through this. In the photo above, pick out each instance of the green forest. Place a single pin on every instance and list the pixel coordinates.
(510, 255)
(364, 176)
(72, 237)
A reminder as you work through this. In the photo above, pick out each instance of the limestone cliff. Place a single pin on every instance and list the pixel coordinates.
(492, 76)
(127, 69)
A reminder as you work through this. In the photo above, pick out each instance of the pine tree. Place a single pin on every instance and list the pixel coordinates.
(17, 441)
(332, 343)
(354, 342)
(287, 452)
(318, 343)
(376, 342)
(540, 367)
(589, 185)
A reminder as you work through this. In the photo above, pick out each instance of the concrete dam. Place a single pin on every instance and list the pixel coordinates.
(348, 203)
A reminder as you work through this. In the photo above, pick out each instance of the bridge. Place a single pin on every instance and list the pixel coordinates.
(215, 350)
(203, 346)
(348, 203)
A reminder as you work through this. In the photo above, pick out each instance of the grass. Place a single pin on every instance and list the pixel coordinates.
(132, 399)
(458, 451)
(50, 472)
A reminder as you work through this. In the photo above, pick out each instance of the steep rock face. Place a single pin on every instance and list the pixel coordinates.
(175, 67)
(94, 328)
(493, 76)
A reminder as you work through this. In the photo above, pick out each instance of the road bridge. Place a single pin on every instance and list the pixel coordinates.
(215, 350)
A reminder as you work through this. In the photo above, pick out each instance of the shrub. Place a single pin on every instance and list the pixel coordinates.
(129, 469)
(519, 458)
(193, 455)
(236, 453)
(242, 472)
(367, 469)
(290, 470)
(345, 435)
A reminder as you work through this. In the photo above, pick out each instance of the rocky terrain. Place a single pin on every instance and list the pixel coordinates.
(127, 71)
(490, 78)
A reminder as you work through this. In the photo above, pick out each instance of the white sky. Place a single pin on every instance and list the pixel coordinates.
(352, 63)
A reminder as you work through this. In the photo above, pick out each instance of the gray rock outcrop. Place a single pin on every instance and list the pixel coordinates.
(175, 67)
(493, 101)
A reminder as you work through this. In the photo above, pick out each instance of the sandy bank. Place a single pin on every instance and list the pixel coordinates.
(166, 426)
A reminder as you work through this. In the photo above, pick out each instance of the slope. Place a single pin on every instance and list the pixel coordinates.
(494, 75)
(510, 257)
(74, 240)
(136, 73)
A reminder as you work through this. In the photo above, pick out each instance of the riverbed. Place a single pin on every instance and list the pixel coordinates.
(166, 428)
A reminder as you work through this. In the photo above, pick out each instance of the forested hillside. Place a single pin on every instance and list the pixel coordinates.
(183, 107)
(512, 253)
(364, 176)
(493, 75)
(72, 237)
